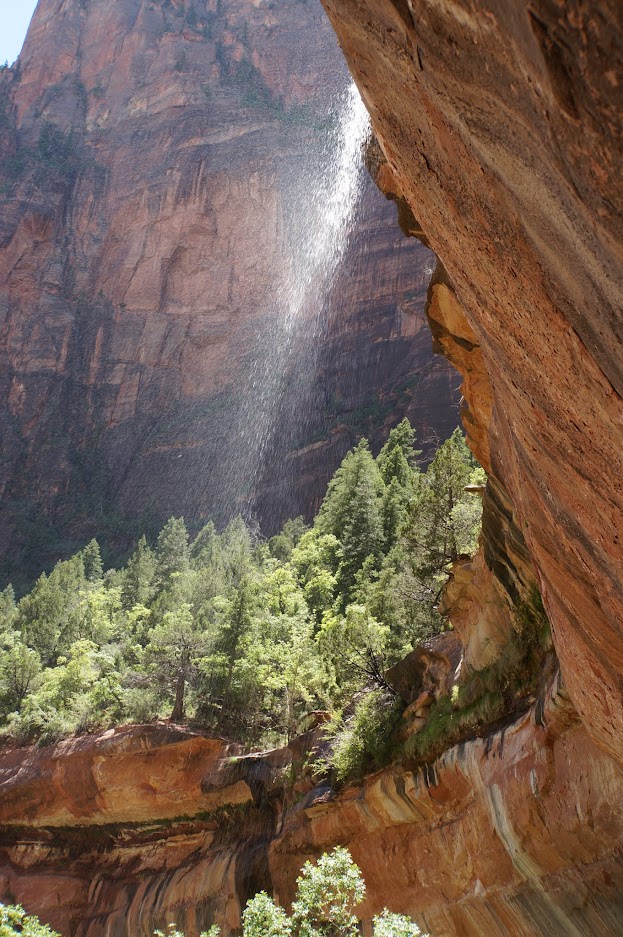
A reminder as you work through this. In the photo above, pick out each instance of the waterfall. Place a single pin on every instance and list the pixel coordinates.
(322, 211)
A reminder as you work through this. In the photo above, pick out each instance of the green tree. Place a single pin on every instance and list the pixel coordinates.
(396, 460)
(351, 511)
(91, 557)
(327, 895)
(229, 688)
(8, 609)
(205, 548)
(139, 579)
(394, 925)
(441, 522)
(431, 530)
(282, 545)
(47, 616)
(315, 560)
(14, 922)
(263, 918)
(354, 645)
(172, 553)
(336, 510)
(96, 615)
(20, 667)
(61, 699)
(174, 646)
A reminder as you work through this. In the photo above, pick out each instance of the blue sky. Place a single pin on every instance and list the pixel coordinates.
(15, 15)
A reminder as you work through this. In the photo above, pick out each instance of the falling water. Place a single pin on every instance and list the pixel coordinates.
(323, 211)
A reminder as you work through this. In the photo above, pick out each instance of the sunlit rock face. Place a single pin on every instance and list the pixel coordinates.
(150, 153)
(517, 833)
(500, 123)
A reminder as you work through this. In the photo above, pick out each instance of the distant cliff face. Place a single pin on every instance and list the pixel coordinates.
(148, 151)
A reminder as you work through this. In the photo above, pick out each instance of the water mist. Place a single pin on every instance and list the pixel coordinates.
(322, 206)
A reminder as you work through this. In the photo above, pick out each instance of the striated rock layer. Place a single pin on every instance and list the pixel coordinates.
(519, 832)
(500, 124)
(150, 158)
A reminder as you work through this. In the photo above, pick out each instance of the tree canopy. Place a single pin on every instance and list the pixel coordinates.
(235, 634)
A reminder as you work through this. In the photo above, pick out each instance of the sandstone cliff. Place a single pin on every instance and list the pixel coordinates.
(149, 159)
(500, 123)
(516, 833)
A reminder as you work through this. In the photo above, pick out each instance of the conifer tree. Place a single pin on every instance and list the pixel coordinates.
(139, 579)
(397, 457)
(172, 553)
(205, 547)
(91, 557)
(174, 646)
(351, 511)
(8, 609)
(396, 462)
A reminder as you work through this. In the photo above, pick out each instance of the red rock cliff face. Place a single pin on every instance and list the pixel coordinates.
(515, 833)
(500, 122)
(148, 157)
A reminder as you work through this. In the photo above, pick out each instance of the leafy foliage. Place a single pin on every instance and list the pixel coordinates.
(242, 636)
(364, 742)
(14, 922)
(328, 893)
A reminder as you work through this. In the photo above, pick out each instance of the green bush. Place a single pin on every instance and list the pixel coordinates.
(328, 892)
(14, 922)
(366, 740)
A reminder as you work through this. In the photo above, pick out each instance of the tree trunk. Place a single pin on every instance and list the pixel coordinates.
(178, 709)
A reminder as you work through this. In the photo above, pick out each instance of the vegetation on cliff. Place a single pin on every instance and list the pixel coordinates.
(238, 635)
(15, 921)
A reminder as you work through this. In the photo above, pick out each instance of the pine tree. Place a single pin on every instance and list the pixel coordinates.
(8, 609)
(432, 533)
(172, 553)
(93, 568)
(139, 579)
(206, 547)
(397, 457)
(396, 462)
(47, 615)
(351, 511)
(173, 647)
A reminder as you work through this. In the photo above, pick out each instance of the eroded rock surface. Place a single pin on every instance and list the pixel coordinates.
(500, 123)
(518, 832)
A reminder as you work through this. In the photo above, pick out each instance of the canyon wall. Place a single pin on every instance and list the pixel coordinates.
(151, 158)
(500, 124)
(518, 832)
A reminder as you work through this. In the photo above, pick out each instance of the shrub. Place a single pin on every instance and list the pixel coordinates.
(394, 925)
(14, 922)
(364, 744)
(263, 918)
